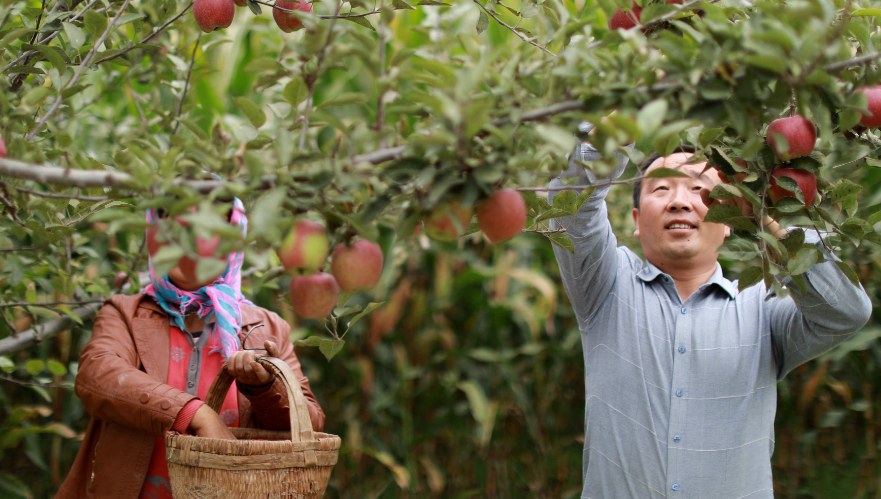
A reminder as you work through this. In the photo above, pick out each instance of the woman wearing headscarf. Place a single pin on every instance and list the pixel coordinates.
(149, 364)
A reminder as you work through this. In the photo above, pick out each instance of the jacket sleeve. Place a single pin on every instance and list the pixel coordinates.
(806, 326)
(271, 407)
(589, 272)
(113, 388)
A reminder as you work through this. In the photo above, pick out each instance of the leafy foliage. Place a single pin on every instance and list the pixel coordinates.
(467, 380)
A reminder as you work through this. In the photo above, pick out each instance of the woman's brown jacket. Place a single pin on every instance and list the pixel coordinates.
(121, 381)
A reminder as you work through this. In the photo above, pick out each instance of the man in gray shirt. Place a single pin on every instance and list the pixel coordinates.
(681, 369)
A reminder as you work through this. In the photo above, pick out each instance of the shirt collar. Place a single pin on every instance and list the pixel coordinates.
(650, 273)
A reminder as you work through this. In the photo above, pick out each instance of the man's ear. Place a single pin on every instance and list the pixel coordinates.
(727, 231)
(635, 214)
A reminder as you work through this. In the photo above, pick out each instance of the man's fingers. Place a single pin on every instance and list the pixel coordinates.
(260, 373)
(271, 348)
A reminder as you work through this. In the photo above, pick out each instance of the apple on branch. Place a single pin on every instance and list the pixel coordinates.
(285, 21)
(798, 133)
(2, 148)
(305, 247)
(357, 267)
(503, 215)
(806, 181)
(872, 119)
(314, 296)
(440, 225)
(212, 15)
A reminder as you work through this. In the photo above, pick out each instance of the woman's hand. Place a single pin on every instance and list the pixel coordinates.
(207, 424)
(243, 366)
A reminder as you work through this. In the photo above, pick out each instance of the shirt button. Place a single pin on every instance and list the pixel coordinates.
(165, 405)
(681, 349)
(676, 438)
(678, 393)
(145, 397)
(675, 486)
(666, 279)
(193, 367)
(683, 310)
(190, 384)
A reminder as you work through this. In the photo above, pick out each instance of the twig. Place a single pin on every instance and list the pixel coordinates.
(47, 304)
(180, 105)
(76, 77)
(9, 325)
(856, 61)
(55, 196)
(34, 383)
(150, 36)
(513, 30)
(10, 206)
(582, 187)
(23, 248)
(134, 97)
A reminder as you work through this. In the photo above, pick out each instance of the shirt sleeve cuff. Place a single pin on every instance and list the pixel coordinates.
(185, 416)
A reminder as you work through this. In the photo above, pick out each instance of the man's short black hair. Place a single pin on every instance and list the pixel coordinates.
(651, 158)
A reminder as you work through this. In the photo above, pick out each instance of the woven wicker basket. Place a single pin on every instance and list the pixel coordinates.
(263, 463)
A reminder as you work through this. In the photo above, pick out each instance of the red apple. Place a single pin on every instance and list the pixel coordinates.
(213, 14)
(872, 119)
(799, 132)
(2, 148)
(357, 267)
(285, 21)
(806, 180)
(625, 20)
(440, 226)
(314, 296)
(205, 248)
(502, 216)
(305, 247)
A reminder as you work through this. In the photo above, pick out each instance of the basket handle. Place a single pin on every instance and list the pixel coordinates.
(301, 423)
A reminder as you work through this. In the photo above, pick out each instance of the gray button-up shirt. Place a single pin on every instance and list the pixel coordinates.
(681, 396)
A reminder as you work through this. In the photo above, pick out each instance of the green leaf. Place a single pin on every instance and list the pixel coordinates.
(730, 215)
(327, 347)
(36, 95)
(651, 116)
(75, 35)
(57, 368)
(552, 213)
(255, 7)
(28, 70)
(872, 12)
(295, 92)
(803, 260)
(583, 198)
(749, 277)
(562, 240)
(251, 110)
(53, 56)
(854, 278)
(482, 22)
(35, 366)
(6, 364)
(739, 249)
(665, 172)
(15, 486)
(432, 2)
(401, 4)
(370, 308)
(362, 21)
(127, 18)
(343, 99)
(565, 200)
(95, 23)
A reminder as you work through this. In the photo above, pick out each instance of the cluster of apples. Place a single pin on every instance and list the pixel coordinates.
(353, 267)
(212, 15)
(501, 216)
(800, 134)
(629, 19)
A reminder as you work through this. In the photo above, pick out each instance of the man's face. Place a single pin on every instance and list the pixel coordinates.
(670, 220)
